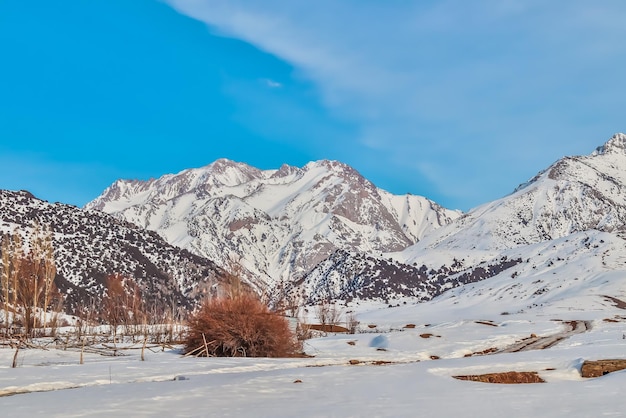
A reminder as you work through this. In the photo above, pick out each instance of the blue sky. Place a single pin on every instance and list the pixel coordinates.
(454, 100)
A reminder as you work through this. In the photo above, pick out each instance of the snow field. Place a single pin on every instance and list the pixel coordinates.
(412, 384)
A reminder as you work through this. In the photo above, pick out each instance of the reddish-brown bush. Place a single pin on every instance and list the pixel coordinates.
(239, 326)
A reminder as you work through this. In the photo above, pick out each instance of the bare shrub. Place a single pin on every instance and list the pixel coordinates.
(328, 313)
(239, 326)
(351, 322)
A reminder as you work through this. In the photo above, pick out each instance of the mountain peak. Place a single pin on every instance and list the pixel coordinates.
(222, 163)
(285, 170)
(336, 167)
(616, 144)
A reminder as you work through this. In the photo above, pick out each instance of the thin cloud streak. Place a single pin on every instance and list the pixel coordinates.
(272, 84)
(437, 87)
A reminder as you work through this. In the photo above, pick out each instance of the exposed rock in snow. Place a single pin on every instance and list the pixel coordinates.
(617, 144)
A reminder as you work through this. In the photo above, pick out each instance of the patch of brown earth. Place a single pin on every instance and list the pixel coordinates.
(504, 377)
(355, 362)
(428, 335)
(326, 328)
(601, 367)
(491, 324)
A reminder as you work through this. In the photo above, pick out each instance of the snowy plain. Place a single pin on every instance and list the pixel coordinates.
(395, 376)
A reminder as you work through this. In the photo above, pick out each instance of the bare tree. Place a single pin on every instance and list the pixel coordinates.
(12, 257)
(328, 313)
(351, 322)
(17, 257)
(49, 271)
(5, 277)
(28, 276)
(27, 290)
(286, 300)
(123, 304)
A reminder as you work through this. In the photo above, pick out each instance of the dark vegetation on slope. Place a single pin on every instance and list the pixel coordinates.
(90, 246)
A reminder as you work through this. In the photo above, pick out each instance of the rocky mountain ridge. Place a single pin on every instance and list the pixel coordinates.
(300, 235)
(277, 224)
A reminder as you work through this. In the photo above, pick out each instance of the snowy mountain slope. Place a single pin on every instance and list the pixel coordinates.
(278, 224)
(574, 194)
(399, 369)
(90, 245)
(580, 272)
(387, 367)
(554, 251)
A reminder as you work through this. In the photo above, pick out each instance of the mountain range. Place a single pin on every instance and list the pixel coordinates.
(324, 232)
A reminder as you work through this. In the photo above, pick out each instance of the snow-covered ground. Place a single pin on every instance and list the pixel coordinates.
(412, 384)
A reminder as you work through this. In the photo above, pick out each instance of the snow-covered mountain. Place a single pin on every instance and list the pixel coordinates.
(277, 224)
(574, 194)
(571, 214)
(88, 246)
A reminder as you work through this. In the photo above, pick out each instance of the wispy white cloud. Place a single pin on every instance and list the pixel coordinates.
(271, 83)
(465, 88)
